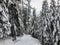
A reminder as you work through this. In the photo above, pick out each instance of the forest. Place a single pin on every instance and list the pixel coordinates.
(18, 18)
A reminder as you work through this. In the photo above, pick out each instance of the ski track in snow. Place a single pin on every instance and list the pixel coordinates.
(25, 40)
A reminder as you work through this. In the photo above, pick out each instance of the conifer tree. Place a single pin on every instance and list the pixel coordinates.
(44, 18)
(54, 21)
(57, 22)
(34, 14)
(34, 24)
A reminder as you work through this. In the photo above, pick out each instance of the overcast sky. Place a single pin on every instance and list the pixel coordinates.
(37, 4)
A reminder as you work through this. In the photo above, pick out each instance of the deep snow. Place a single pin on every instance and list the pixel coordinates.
(25, 40)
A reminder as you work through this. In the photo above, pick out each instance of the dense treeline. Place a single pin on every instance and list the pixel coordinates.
(15, 18)
(49, 23)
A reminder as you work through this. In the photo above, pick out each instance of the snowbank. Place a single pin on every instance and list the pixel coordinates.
(25, 40)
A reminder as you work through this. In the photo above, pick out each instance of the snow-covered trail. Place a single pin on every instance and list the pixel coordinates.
(25, 40)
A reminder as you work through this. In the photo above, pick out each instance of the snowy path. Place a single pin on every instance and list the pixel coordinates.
(25, 40)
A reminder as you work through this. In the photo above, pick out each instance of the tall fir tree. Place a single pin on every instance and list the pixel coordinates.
(34, 14)
(53, 21)
(24, 18)
(34, 23)
(58, 22)
(44, 18)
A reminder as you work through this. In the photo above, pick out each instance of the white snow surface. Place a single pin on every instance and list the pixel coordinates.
(24, 40)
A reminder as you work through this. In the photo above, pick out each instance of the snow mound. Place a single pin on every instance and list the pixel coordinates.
(25, 40)
(28, 40)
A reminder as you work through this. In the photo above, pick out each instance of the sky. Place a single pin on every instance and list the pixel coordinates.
(37, 4)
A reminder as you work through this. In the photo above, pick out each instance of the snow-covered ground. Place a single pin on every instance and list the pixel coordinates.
(25, 40)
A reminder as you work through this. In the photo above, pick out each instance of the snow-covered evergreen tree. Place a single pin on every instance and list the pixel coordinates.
(35, 27)
(44, 20)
